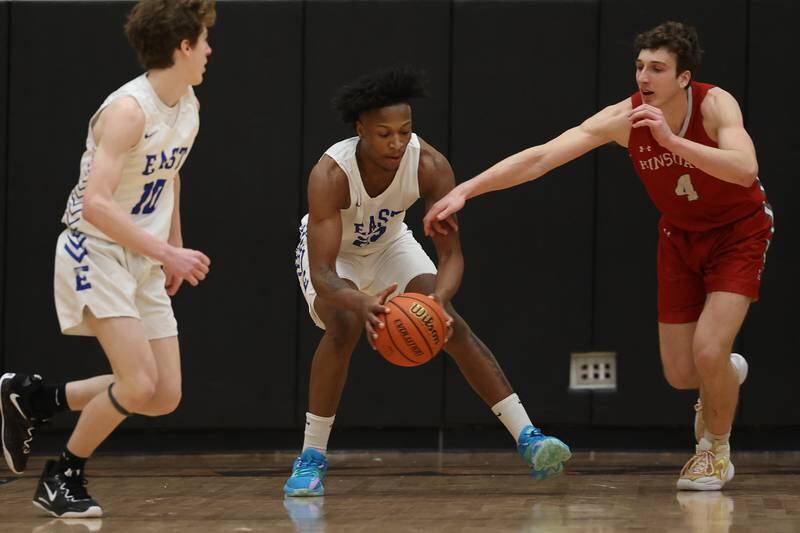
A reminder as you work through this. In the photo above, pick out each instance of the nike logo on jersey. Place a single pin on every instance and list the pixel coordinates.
(15, 400)
(148, 135)
(50, 493)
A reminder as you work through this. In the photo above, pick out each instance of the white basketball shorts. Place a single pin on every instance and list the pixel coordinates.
(400, 261)
(112, 282)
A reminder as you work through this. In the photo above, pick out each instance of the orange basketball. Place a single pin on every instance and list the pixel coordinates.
(415, 330)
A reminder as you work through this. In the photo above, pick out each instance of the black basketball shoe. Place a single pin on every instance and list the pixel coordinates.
(63, 494)
(18, 424)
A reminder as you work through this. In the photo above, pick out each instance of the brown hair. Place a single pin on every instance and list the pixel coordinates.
(155, 28)
(680, 39)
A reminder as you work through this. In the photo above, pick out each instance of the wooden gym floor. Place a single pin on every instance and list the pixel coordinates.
(393, 491)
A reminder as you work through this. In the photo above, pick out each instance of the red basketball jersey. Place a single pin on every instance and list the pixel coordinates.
(686, 196)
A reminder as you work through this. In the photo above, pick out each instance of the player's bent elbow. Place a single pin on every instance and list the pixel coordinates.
(92, 205)
(750, 176)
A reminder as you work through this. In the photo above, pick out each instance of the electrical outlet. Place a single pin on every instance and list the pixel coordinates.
(593, 371)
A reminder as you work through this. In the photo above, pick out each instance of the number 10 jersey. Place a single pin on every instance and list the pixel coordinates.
(146, 190)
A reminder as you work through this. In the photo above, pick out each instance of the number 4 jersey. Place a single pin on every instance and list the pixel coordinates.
(146, 190)
(686, 196)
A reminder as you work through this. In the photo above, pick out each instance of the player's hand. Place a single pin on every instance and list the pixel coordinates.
(449, 320)
(652, 117)
(373, 308)
(173, 282)
(439, 219)
(186, 264)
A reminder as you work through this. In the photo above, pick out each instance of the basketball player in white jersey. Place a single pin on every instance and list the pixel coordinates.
(355, 252)
(121, 255)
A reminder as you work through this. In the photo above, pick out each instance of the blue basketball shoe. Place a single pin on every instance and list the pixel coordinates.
(308, 471)
(545, 455)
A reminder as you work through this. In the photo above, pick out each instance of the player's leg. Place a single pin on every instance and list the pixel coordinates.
(167, 395)
(711, 468)
(732, 260)
(331, 360)
(732, 280)
(329, 368)
(545, 455)
(79, 393)
(716, 331)
(61, 490)
(678, 361)
(681, 297)
(677, 357)
(26, 401)
(88, 273)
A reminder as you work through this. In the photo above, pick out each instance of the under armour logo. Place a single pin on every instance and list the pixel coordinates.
(643, 148)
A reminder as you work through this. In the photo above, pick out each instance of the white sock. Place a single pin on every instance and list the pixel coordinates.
(717, 440)
(512, 415)
(318, 430)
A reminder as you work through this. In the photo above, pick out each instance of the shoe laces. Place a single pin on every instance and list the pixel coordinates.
(702, 464)
(306, 467)
(74, 485)
(532, 434)
(26, 443)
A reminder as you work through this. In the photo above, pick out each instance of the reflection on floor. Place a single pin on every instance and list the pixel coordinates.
(395, 491)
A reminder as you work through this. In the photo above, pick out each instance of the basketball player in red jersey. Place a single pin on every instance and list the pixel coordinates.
(688, 144)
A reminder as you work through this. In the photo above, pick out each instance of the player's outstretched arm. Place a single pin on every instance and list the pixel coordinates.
(734, 160)
(328, 193)
(117, 130)
(608, 125)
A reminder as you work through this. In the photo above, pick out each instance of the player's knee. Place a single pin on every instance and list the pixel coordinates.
(709, 358)
(134, 393)
(344, 329)
(165, 401)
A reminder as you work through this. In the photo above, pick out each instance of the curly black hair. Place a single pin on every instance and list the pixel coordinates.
(680, 39)
(383, 88)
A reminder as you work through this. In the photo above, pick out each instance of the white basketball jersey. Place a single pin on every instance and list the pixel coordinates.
(370, 224)
(146, 190)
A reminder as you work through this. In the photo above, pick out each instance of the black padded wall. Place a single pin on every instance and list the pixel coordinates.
(625, 306)
(769, 339)
(342, 41)
(4, 15)
(562, 264)
(239, 206)
(528, 251)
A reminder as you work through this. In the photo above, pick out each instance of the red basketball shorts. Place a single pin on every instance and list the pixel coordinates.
(692, 264)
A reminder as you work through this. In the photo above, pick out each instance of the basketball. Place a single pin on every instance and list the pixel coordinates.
(415, 330)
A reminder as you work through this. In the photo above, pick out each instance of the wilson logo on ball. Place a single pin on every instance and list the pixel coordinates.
(427, 320)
